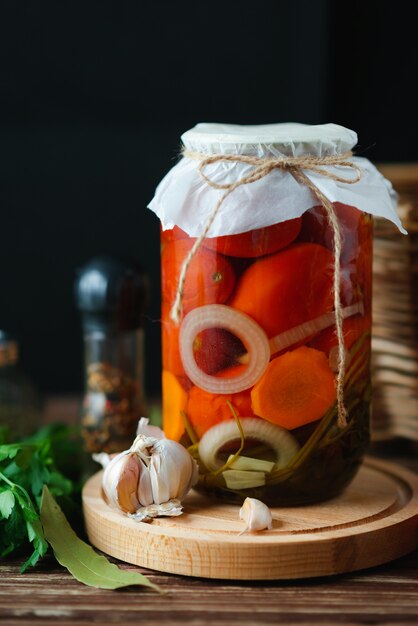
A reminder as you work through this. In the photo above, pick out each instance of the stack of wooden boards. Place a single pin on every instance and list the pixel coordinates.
(395, 313)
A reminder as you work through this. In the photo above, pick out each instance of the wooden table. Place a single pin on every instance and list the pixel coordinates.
(383, 595)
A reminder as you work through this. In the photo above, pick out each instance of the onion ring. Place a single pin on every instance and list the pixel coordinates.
(251, 334)
(279, 439)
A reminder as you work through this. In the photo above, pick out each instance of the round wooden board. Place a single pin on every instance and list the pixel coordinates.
(374, 521)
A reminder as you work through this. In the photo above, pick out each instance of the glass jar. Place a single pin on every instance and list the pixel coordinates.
(249, 370)
(114, 397)
(20, 405)
(112, 298)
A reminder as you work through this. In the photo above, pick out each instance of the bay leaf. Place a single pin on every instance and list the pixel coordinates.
(78, 557)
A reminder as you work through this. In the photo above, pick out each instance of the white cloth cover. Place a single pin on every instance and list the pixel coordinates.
(184, 199)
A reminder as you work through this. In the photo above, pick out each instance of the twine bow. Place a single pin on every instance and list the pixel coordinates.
(295, 166)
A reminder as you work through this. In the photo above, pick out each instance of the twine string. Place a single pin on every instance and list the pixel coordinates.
(261, 167)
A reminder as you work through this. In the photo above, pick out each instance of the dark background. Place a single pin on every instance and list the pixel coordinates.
(94, 96)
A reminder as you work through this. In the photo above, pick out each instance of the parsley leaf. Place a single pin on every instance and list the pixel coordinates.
(7, 502)
(25, 468)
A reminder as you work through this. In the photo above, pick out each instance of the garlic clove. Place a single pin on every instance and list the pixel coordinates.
(160, 488)
(181, 467)
(120, 481)
(172, 470)
(144, 492)
(163, 480)
(256, 515)
(111, 477)
(128, 484)
(194, 476)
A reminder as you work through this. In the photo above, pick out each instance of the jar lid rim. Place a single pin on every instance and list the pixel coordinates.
(210, 136)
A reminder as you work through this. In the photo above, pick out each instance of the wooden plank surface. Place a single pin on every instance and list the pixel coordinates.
(48, 595)
(385, 595)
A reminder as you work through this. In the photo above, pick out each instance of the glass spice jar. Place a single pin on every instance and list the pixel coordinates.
(20, 403)
(112, 297)
(253, 365)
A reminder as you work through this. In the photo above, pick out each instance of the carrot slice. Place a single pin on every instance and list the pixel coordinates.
(205, 409)
(297, 388)
(174, 401)
(170, 340)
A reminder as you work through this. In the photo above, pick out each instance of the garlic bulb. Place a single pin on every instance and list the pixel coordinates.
(256, 515)
(150, 478)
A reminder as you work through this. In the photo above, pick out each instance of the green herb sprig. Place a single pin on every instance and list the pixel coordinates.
(25, 467)
(33, 472)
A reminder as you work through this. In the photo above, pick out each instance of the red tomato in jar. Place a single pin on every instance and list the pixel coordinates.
(258, 242)
(353, 328)
(210, 278)
(363, 263)
(288, 288)
(172, 234)
(356, 253)
(317, 229)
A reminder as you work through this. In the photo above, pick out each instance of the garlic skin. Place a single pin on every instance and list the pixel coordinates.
(172, 508)
(103, 458)
(144, 428)
(150, 478)
(256, 515)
